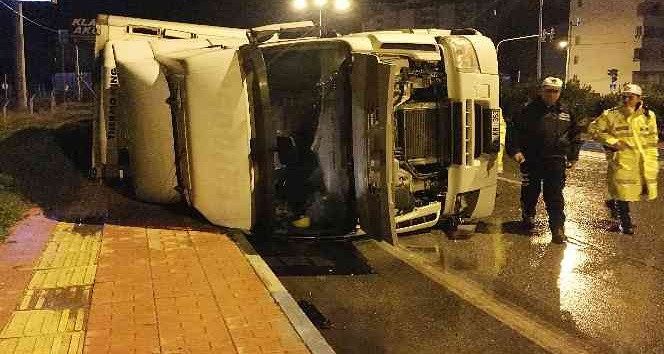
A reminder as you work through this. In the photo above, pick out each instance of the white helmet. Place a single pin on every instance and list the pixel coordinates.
(632, 88)
(552, 82)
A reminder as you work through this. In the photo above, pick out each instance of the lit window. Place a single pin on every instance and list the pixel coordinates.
(637, 54)
(576, 59)
(639, 32)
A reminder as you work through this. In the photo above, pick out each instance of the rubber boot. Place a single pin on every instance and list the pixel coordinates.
(626, 226)
(611, 205)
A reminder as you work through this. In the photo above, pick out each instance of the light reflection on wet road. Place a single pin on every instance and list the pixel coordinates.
(603, 287)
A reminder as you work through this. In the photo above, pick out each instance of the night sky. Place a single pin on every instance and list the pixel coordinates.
(514, 17)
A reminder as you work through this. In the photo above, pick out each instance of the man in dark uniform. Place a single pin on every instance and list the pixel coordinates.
(544, 140)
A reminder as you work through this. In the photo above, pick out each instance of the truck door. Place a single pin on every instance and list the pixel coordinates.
(373, 85)
(262, 139)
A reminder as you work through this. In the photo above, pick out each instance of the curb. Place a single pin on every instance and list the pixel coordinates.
(310, 335)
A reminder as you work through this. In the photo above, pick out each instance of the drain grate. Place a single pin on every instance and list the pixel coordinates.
(315, 316)
(312, 259)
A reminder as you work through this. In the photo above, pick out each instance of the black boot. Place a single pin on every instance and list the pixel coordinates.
(611, 205)
(527, 223)
(626, 226)
(558, 235)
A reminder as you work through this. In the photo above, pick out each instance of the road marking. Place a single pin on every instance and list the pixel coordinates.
(539, 332)
(509, 180)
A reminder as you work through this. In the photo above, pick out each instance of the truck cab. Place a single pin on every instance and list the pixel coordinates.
(381, 132)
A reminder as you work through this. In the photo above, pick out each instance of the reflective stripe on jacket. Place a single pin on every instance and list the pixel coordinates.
(632, 172)
(541, 132)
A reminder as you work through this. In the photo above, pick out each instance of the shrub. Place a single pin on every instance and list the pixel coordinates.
(12, 205)
(585, 103)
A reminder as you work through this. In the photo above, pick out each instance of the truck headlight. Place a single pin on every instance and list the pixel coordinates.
(463, 54)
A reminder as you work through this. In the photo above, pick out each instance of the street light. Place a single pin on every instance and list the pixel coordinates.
(342, 5)
(300, 4)
(339, 5)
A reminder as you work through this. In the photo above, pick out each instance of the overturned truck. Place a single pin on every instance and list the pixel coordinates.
(379, 132)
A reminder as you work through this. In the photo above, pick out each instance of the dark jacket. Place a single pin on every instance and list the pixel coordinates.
(541, 132)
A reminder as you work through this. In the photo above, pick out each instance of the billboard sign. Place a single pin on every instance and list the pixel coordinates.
(83, 28)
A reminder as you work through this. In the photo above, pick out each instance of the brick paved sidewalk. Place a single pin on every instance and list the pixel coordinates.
(121, 289)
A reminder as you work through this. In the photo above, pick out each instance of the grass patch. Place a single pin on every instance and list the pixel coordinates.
(12, 205)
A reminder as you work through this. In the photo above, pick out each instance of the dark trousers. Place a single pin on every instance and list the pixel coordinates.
(547, 176)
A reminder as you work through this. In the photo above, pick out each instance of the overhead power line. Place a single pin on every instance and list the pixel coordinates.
(26, 18)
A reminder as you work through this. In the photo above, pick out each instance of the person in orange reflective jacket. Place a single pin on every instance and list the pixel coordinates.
(630, 134)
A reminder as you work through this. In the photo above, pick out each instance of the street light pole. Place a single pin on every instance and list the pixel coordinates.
(514, 39)
(539, 42)
(567, 54)
(320, 21)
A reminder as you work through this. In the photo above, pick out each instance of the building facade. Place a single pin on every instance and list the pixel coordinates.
(616, 41)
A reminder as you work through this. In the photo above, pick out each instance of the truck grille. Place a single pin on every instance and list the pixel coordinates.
(487, 130)
(418, 132)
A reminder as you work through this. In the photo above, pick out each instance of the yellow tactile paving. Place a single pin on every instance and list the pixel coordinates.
(51, 316)
(62, 277)
(156, 291)
(66, 343)
(43, 322)
(55, 298)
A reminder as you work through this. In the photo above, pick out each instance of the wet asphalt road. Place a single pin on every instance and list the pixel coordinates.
(602, 289)
(395, 309)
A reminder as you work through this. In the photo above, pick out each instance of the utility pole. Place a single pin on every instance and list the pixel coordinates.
(78, 75)
(539, 42)
(21, 86)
